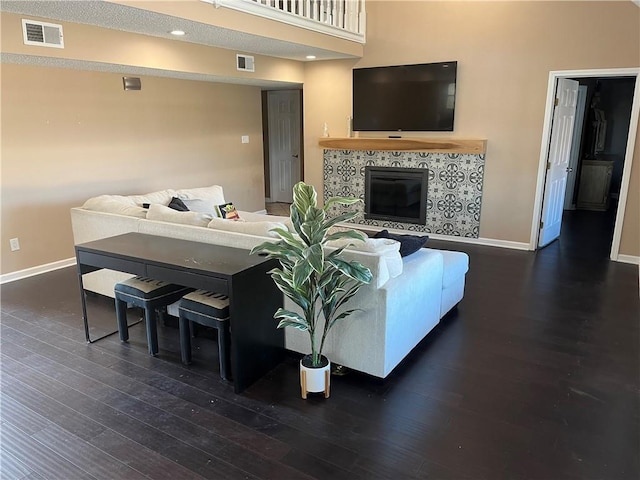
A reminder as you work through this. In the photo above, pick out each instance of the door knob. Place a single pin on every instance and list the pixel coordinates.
(295, 156)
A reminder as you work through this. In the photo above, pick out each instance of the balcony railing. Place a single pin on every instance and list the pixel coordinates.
(340, 18)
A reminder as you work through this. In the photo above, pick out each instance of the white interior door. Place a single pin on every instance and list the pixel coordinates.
(558, 160)
(569, 204)
(284, 143)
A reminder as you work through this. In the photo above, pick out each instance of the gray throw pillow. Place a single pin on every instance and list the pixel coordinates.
(178, 205)
(202, 206)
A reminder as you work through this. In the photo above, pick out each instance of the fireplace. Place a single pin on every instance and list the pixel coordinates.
(396, 194)
(454, 196)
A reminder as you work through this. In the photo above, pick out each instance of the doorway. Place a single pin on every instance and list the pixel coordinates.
(282, 133)
(594, 145)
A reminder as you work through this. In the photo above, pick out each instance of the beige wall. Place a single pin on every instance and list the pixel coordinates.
(505, 51)
(68, 135)
(89, 43)
(327, 98)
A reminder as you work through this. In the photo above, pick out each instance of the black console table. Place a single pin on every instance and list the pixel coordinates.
(256, 344)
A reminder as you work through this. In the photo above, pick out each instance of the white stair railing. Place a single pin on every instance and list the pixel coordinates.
(340, 18)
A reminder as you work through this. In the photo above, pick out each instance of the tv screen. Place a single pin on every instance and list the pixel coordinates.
(405, 97)
(396, 194)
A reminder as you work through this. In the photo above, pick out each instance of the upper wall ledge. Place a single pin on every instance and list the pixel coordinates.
(446, 145)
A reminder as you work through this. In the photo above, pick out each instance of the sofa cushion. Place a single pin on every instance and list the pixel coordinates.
(166, 214)
(456, 265)
(261, 229)
(163, 197)
(408, 243)
(116, 204)
(263, 217)
(213, 193)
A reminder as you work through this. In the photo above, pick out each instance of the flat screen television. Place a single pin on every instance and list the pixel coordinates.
(416, 98)
(396, 194)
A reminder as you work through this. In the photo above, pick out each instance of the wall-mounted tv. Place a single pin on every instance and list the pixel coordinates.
(416, 98)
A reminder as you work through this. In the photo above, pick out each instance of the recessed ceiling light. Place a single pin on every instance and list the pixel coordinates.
(310, 57)
(177, 33)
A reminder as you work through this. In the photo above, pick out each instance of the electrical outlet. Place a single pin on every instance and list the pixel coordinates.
(15, 244)
(245, 138)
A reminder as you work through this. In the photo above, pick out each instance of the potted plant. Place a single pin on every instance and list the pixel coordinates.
(317, 280)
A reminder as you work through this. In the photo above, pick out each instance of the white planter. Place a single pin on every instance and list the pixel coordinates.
(315, 379)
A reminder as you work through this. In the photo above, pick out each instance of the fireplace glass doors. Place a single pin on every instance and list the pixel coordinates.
(396, 194)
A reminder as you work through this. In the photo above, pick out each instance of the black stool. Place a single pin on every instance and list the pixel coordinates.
(211, 310)
(151, 295)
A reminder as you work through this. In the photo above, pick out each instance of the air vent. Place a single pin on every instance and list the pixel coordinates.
(43, 34)
(245, 63)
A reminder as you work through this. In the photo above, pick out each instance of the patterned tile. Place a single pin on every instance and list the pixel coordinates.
(454, 192)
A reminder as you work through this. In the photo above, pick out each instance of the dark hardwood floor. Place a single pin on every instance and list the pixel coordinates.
(536, 376)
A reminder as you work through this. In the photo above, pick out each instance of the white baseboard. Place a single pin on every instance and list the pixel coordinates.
(30, 272)
(263, 212)
(489, 242)
(629, 259)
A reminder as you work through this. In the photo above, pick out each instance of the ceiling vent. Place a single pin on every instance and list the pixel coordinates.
(42, 33)
(245, 63)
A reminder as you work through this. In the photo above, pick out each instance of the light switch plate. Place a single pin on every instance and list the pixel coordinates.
(245, 138)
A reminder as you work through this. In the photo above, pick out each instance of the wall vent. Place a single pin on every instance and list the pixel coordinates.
(42, 33)
(245, 63)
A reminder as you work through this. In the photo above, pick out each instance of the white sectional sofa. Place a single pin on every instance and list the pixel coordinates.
(405, 300)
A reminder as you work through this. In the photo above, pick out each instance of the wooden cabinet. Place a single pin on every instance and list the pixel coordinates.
(595, 182)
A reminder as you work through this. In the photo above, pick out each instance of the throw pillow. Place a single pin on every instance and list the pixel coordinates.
(201, 205)
(228, 211)
(213, 193)
(178, 205)
(408, 243)
(387, 248)
(163, 197)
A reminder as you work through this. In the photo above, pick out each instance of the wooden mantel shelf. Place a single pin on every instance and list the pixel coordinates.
(445, 145)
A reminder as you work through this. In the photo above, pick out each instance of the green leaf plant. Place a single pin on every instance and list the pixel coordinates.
(316, 279)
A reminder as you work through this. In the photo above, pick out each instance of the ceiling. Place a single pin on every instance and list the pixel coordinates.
(119, 17)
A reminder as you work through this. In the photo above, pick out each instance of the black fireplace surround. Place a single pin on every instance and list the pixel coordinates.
(396, 194)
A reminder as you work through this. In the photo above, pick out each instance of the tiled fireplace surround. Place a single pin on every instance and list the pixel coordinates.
(454, 191)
